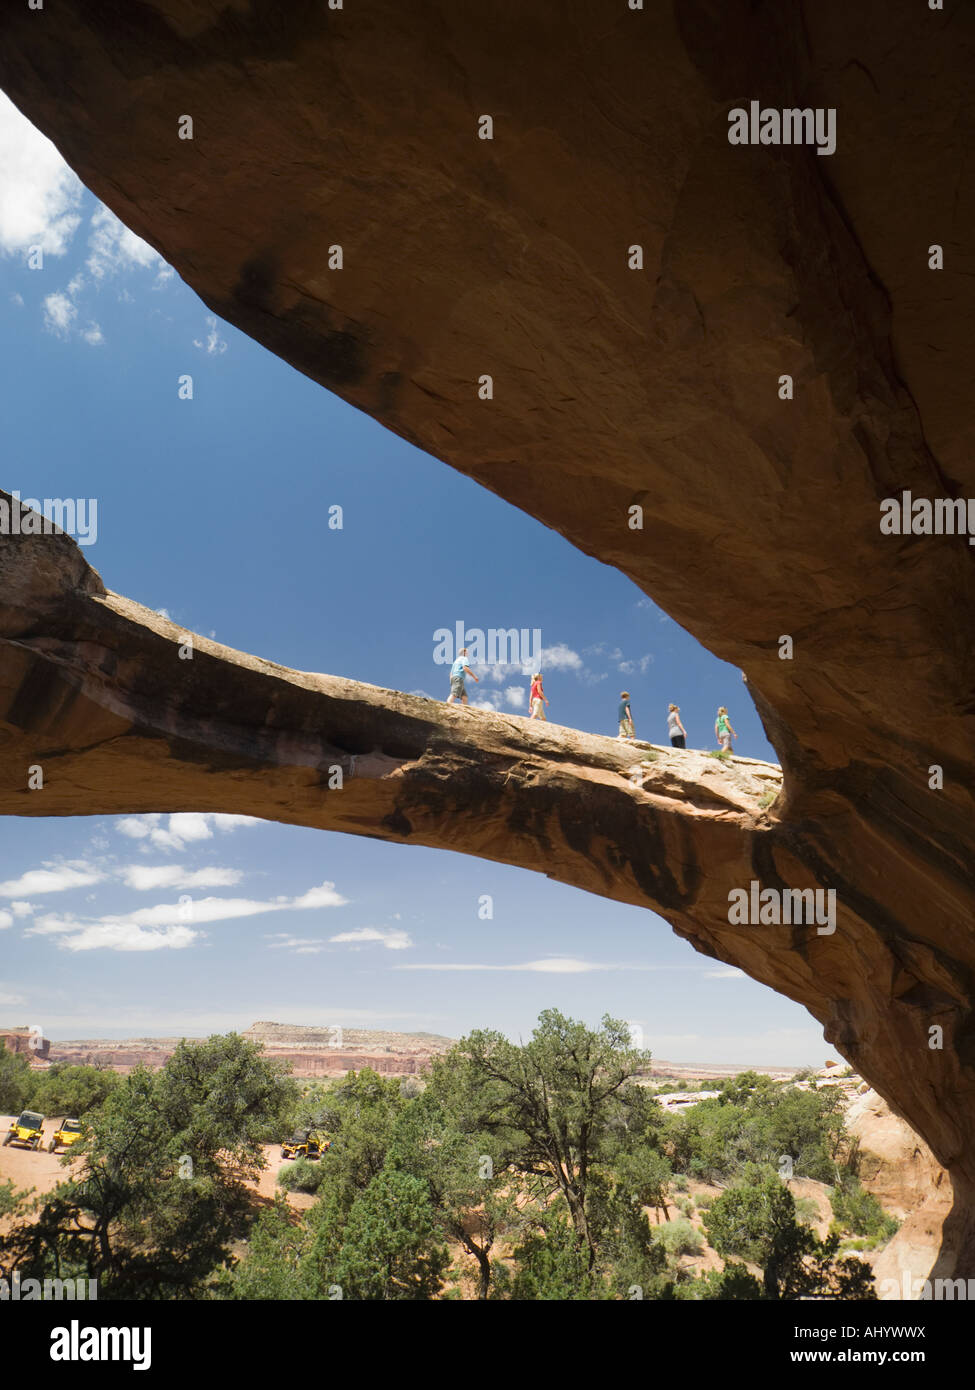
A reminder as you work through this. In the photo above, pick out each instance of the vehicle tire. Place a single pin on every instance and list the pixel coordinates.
(7, 1140)
(52, 1146)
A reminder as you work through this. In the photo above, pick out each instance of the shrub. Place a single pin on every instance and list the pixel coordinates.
(858, 1212)
(679, 1237)
(302, 1175)
(807, 1210)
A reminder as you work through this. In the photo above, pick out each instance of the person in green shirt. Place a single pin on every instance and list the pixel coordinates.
(723, 730)
(627, 730)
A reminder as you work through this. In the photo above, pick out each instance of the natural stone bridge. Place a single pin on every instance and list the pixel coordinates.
(613, 388)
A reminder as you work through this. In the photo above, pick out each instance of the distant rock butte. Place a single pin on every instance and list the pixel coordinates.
(311, 1051)
(26, 1040)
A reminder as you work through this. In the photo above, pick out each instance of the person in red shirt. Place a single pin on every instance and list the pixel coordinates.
(537, 699)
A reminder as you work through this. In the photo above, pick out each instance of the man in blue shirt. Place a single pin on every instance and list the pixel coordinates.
(458, 671)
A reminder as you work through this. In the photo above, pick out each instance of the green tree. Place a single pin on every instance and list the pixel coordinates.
(757, 1221)
(10, 1198)
(553, 1266)
(69, 1090)
(563, 1105)
(464, 1173)
(155, 1199)
(16, 1081)
(389, 1247)
(360, 1114)
(756, 1121)
(733, 1283)
(274, 1266)
(224, 1100)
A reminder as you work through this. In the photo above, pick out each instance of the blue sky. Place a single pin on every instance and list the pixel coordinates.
(215, 510)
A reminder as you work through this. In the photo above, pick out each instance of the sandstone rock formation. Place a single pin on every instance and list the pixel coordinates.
(902, 1173)
(612, 388)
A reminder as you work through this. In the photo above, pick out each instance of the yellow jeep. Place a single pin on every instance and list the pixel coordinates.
(67, 1133)
(311, 1143)
(28, 1130)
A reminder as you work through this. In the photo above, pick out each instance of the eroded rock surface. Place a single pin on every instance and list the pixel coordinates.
(612, 388)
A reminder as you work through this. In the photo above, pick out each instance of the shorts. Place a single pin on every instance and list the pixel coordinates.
(724, 741)
(457, 686)
(626, 729)
(537, 707)
(677, 741)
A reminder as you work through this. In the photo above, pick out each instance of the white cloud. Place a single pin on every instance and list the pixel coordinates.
(552, 965)
(53, 878)
(22, 909)
(6, 998)
(297, 945)
(93, 335)
(136, 827)
(59, 314)
(185, 827)
(151, 928)
(638, 664)
(560, 658)
(146, 877)
(515, 696)
(729, 974)
(228, 822)
(6, 919)
(322, 896)
(17, 299)
(123, 936)
(113, 247)
(39, 194)
(393, 938)
(214, 343)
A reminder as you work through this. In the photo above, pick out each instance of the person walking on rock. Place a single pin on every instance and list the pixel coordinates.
(723, 730)
(627, 730)
(458, 671)
(675, 728)
(536, 698)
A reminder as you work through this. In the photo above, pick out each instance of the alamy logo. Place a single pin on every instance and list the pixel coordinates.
(499, 646)
(764, 125)
(921, 516)
(77, 1343)
(756, 906)
(908, 1289)
(77, 517)
(18, 1290)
